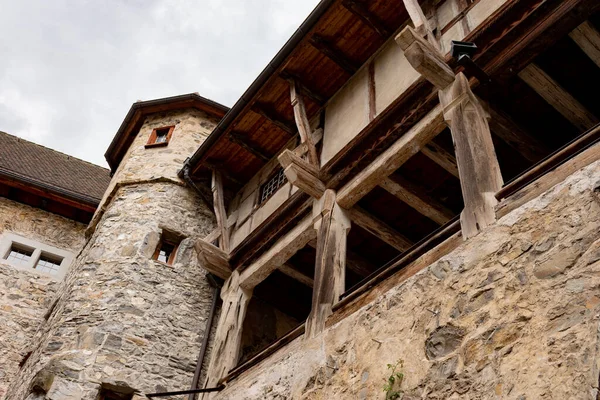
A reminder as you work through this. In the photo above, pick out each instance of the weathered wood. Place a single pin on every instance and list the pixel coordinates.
(303, 124)
(218, 166)
(279, 253)
(421, 25)
(213, 236)
(301, 174)
(213, 259)
(302, 88)
(335, 55)
(330, 265)
(588, 40)
(441, 157)
(480, 176)
(297, 275)
(275, 119)
(219, 207)
(302, 148)
(228, 337)
(354, 262)
(362, 12)
(241, 141)
(393, 158)
(416, 198)
(558, 97)
(379, 229)
(425, 58)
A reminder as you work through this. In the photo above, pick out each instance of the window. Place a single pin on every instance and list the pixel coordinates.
(49, 263)
(167, 247)
(19, 254)
(276, 180)
(160, 136)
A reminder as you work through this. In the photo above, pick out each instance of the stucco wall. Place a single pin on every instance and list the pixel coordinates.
(26, 295)
(511, 314)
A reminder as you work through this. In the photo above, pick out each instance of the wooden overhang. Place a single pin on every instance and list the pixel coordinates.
(139, 110)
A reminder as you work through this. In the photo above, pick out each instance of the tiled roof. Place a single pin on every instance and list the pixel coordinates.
(40, 166)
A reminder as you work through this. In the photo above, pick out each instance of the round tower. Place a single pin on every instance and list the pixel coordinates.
(131, 314)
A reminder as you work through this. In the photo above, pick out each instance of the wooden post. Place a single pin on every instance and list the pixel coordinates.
(219, 205)
(302, 123)
(228, 337)
(480, 176)
(330, 267)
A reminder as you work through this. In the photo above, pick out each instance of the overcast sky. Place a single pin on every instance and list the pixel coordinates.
(70, 69)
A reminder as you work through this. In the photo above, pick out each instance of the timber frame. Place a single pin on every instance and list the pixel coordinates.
(420, 177)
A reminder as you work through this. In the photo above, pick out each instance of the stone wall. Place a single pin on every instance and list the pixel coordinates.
(512, 313)
(25, 296)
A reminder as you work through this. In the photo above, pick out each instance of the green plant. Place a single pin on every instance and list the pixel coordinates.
(392, 387)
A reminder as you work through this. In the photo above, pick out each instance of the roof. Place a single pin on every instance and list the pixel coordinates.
(139, 110)
(51, 170)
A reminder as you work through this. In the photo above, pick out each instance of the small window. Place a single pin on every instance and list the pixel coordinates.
(167, 248)
(276, 181)
(19, 255)
(49, 263)
(160, 136)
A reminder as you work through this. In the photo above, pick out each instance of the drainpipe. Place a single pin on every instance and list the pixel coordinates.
(216, 289)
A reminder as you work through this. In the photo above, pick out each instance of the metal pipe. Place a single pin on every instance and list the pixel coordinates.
(215, 285)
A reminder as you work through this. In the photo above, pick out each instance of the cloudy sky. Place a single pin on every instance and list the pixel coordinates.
(70, 69)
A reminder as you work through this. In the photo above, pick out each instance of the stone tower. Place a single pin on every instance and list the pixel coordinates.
(130, 315)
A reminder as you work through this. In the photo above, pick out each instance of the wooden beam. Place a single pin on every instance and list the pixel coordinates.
(416, 198)
(219, 207)
(228, 337)
(302, 148)
(301, 174)
(588, 40)
(421, 25)
(218, 166)
(302, 123)
(558, 97)
(297, 275)
(361, 11)
(330, 265)
(355, 262)
(279, 253)
(425, 58)
(213, 259)
(379, 229)
(302, 88)
(275, 119)
(251, 148)
(335, 55)
(390, 160)
(478, 167)
(441, 157)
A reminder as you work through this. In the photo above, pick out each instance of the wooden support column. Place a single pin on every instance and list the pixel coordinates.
(417, 16)
(330, 267)
(228, 337)
(302, 123)
(219, 207)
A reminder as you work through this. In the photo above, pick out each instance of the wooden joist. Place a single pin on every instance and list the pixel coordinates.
(558, 97)
(219, 207)
(588, 40)
(302, 123)
(218, 166)
(301, 174)
(379, 229)
(390, 160)
(302, 88)
(279, 253)
(359, 9)
(241, 141)
(334, 54)
(297, 275)
(213, 259)
(441, 157)
(417, 199)
(275, 119)
(354, 262)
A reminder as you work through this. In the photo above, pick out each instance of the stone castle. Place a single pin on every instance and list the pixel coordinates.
(405, 204)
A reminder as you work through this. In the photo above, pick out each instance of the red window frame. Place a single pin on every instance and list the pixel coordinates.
(153, 136)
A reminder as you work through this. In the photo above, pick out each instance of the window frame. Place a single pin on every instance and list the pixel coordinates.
(171, 239)
(277, 173)
(153, 136)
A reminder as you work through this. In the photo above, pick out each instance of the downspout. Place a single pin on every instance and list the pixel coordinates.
(216, 289)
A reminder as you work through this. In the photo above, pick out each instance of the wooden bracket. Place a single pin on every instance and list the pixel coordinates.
(301, 174)
(302, 123)
(213, 259)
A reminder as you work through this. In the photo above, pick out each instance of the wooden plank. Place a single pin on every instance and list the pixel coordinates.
(480, 175)
(361, 11)
(334, 54)
(330, 265)
(425, 58)
(588, 40)
(279, 253)
(417, 199)
(213, 259)
(219, 207)
(228, 337)
(558, 97)
(241, 141)
(275, 119)
(393, 158)
(293, 273)
(441, 157)
(379, 229)
(303, 124)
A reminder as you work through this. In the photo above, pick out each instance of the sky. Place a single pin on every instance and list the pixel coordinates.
(70, 69)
